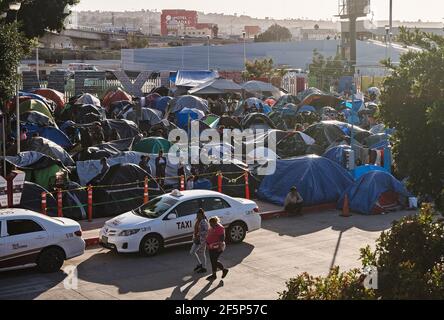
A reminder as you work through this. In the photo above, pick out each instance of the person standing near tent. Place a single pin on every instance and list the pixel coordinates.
(160, 168)
(294, 201)
(144, 163)
(181, 169)
(216, 246)
(198, 249)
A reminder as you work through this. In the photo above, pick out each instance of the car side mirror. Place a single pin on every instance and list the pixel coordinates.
(172, 216)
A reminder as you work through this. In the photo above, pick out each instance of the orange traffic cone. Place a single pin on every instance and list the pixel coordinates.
(345, 208)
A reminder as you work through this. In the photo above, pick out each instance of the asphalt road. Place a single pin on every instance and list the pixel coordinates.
(259, 267)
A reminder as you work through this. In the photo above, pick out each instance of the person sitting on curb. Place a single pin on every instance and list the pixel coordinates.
(293, 202)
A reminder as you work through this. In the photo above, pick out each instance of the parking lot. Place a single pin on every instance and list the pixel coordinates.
(259, 267)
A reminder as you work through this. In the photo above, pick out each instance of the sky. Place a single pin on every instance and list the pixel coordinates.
(407, 10)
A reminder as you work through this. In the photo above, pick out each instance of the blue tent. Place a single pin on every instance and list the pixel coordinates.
(319, 180)
(337, 154)
(255, 102)
(187, 114)
(307, 109)
(366, 191)
(161, 104)
(53, 134)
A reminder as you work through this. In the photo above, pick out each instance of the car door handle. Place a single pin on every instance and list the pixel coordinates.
(40, 237)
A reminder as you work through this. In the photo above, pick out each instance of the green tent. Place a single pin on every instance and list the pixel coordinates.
(35, 105)
(152, 145)
(44, 176)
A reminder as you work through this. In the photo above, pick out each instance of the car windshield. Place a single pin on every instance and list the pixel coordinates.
(156, 207)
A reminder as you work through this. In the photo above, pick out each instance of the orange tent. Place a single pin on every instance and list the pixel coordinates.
(114, 96)
(54, 95)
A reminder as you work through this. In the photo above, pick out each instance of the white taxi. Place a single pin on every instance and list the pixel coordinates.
(29, 238)
(169, 219)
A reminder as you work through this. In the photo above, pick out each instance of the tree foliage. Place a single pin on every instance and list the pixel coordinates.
(137, 42)
(327, 70)
(413, 103)
(13, 46)
(275, 33)
(262, 68)
(409, 259)
(36, 16)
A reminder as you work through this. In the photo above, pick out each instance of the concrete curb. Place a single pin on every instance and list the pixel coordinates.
(94, 242)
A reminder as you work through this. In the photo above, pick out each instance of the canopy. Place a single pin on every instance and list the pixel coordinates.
(115, 96)
(88, 98)
(188, 101)
(364, 193)
(54, 95)
(216, 86)
(317, 98)
(152, 145)
(35, 105)
(194, 78)
(263, 88)
(319, 180)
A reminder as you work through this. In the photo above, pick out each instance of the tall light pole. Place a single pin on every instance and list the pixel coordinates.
(183, 52)
(208, 38)
(390, 27)
(16, 7)
(245, 48)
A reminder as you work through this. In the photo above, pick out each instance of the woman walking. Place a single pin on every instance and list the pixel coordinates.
(216, 245)
(199, 241)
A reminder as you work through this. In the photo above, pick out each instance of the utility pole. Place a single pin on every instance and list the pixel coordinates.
(390, 28)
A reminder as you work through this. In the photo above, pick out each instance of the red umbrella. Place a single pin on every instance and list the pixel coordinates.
(54, 95)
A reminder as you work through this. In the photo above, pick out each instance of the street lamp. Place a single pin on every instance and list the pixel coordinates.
(183, 51)
(208, 38)
(387, 34)
(16, 7)
(245, 47)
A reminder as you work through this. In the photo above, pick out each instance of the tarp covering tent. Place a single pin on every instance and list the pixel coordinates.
(217, 86)
(188, 101)
(48, 148)
(88, 98)
(81, 113)
(23, 96)
(89, 169)
(337, 154)
(151, 99)
(55, 135)
(51, 94)
(285, 99)
(325, 134)
(252, 105)
(125, 128)
(35, 105)
(162, 104)
(115, 199)
(257, 121)
(37, 118)
(39, 168)
(319, 181)
(306, 108)
(186, 115)
(317, 98)
(373, 193)
(152, 145)
(263, 88)
(192, 79)
(32, 199)
(107, 150)
(115, 96)
(293, 145)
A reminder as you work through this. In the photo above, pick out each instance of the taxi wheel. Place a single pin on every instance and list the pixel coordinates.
(237, 232)
(51, 260)
(150, 245)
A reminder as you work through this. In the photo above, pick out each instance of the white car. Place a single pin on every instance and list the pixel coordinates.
(29, 238)
(169, 219)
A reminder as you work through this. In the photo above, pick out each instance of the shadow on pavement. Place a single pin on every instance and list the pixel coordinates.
(27, 284)
(173, 268)
(296, 226)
